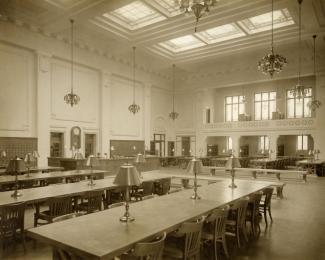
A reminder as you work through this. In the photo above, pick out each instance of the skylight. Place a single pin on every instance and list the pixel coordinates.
(182, 43)
(135, 15)
(263, 22)
(221, 33)
(171, 6)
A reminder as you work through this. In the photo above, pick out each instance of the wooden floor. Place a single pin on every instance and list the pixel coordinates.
(298, 231)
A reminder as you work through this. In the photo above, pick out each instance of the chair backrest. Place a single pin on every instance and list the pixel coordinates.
(192, 232)
(163, 186)
(218, 220)
(12, 218)
(147, 187)
(114, 205)
(94, 200)
(254, 201)
(267, 192)
(150, 250)
(68, 216)
(59, 206)
(240, 207)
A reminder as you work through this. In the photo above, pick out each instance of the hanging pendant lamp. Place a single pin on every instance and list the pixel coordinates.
(299, 90)
(134, 108)
(173, 115)
(272, 62)
(314, 104)
(71, 98)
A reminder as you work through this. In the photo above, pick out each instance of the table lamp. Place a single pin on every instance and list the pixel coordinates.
(36, 156)
(232, 163)
(16, 165)
(92, 161)
(29, 161)
(195, 167)
(127, 176)
(139, 160)
(3, 154)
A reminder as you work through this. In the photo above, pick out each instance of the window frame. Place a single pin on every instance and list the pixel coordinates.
(269, 112)
(240, 97)
(304, 144)
(305, 101)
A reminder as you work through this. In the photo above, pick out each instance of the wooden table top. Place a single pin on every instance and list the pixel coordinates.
(308, 161)
(104, 236)
(5, 179)
(39, 194)
(39, 169)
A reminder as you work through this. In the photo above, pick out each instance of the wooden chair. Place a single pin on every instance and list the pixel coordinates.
(185, 242)
(162, 187)
(91, 202)
(117, 204)
(147, 250)
(145, 189)
(265, 204)
(214, 230)
(236, 223)
(58, 206)
(12, 224)
(252, 213)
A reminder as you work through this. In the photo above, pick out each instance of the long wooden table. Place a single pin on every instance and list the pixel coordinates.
(316, 165)
(39, 169)
(104, 236)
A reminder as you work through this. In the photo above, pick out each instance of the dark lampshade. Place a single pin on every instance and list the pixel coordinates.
(195, 166)
(232, 162)
(92, 161)
(140, 158)
(127, 176)
(16, 165)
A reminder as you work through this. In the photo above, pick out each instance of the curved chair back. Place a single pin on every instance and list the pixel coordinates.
(254, 200)
(192, 232)
(163, 186)
(218, 219)
(59, 206)
(11, 219)
(150, 250)
(147, 187)
(268, 195)
(114, 205)
(94, 200)
(240, 207)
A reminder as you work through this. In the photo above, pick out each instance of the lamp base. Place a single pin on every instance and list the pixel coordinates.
(16, 194)
(127, 218)
(232, 185)
(195, 197)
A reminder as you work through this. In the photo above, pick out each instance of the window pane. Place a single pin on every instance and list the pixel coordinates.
(241, 108)
(265, 96)
(241, 99)
(258, 97)
(266, 143)
(305, 142)
(299, 142)
(272, 108)
(235, 99)
(228, 113)
(261, 143)
(258, 111)
(272, 95)
(228, 100)
(307, 110)
(229, 143)
(235, 112)
(265, 110)
(289, 94)
(308, 92)
(290, 108)
(299, 107)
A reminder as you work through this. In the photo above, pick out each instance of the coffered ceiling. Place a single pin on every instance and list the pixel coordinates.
(160, 29)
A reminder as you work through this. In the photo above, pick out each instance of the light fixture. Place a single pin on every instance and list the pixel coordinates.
(92, 161)
(29, 161)
(231, 164)
(139, 159)
(71, 98)
(314, 104)
(127, 176)
(199, 8)
(173, 115)
(134, 108)
(272, 62)
(299, 90)
(17, 166)
(195, 167)
(3, 155)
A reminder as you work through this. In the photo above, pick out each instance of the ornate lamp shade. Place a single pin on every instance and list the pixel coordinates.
(127, 176)
(195, 166)
(36, 154)
(134, 108)
(29, 159)
(92, 161)
(71, 99)
(272, 63)
(3, 154)
(140, 158)
(16, 165)
(232, 163)
(173, 115)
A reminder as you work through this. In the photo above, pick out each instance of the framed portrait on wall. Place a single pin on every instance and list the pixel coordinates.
(75, 138)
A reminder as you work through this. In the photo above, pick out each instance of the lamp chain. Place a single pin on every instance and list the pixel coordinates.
(134, 74)
(72, 21)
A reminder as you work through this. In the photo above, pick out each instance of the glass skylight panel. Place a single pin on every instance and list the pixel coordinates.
(171, 6)
(221, 33)
(263, 22)
(135, 15)
(182, 43)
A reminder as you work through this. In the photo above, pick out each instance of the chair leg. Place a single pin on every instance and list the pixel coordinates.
(238, 236)
(269, 210)
(215, 250)
(265, 217)
(224, 245)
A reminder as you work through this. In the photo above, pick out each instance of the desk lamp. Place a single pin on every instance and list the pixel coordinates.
(127, 176)
(195, 167)
(36, 156)
(139, 160)
(17, 166)
(3, 154)
(92, 161)
(29, 161)
(232, 163)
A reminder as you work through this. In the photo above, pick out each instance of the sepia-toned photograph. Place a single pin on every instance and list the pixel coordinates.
(162, 129)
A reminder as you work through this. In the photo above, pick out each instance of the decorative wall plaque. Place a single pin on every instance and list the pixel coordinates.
(75, 138)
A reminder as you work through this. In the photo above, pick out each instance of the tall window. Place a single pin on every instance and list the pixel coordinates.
(265, 104)
(302, 142)
(234, 106)
(297, 108)
(229, 143)
(263, 143)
